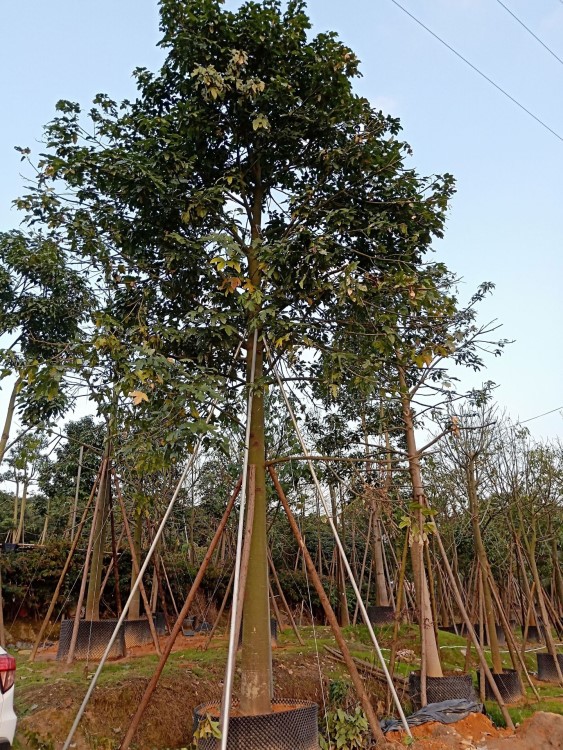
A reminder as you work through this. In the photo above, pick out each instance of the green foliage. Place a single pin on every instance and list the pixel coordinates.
(246, 186)
(206, 729)
(43, 302)
(345, 731)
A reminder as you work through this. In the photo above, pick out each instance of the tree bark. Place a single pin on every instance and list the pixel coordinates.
(432, 654)
(8, 419)
(20, 530)
(343, 616)
(485, 577)
(135, 607)
(98, 543)
(256, 679)
(381, 593)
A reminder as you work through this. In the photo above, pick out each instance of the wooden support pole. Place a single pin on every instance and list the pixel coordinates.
(527, 620)
(136, 568)
(469, 626)
(245, 557)
(275, 607)
(284, 600)
(109, 571)
(363, 569)
(220, 613)
(331, 617)
(114, 562)
(66, 566)
(400, 596)
(481, 632)
(102, 489)
(149, 690)
(518, 661)
(76, 493)
(169, 587)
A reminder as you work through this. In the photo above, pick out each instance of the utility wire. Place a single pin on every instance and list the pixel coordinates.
(552, 411)
(480, 72)
(536, 37)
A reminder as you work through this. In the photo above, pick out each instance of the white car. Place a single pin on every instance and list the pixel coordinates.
(8, 718)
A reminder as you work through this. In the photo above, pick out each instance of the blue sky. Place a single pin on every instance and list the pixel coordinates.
(505, 223)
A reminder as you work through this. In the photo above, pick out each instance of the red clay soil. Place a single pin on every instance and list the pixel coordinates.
(461, 735)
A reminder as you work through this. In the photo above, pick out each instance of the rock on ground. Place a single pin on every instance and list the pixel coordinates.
(542, 731)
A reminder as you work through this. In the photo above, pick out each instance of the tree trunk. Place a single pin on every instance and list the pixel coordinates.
(256, 679)
(557, 573)
(8, 419)
(343, 616)
(16, 511)
(381, 593)
(43, 537)
(549, 641)
(432, 654)
(135, 607)
(20, 530)
(488, 607)
(99, 536)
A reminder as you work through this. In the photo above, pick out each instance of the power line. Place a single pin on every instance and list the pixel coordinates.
(536, 37)
(552, 411)
(480, 72)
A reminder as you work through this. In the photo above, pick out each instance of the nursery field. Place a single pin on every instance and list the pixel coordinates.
(48, 692)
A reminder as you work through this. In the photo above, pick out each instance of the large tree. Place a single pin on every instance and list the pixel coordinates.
(247, 191)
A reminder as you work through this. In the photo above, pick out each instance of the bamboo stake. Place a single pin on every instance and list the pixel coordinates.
(469, 626)
(527, 621)
(169, 586)
(329, 612)
(99, 500)
(275, 607)
(220, 613)
(517, 659)
(149, 690)
(387, 574)
(76, 492)
(422, 623)
(234, 635)
(66, 566)
(114, 561)
(284, 600)
(362, 572)
(135, 562)
(400, 595)
(109, 571)
(481, 636)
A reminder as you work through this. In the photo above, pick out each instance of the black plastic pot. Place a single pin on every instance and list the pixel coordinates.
(546, 667)
(93, 638)
(160, 623)
(500, 634)
(381, 615)
(534, 634)
(458, 627)
(294, 726)
(508, 685)
(438, 689)
(137, 632)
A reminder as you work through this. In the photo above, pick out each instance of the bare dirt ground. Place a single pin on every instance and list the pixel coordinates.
(48, 694)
